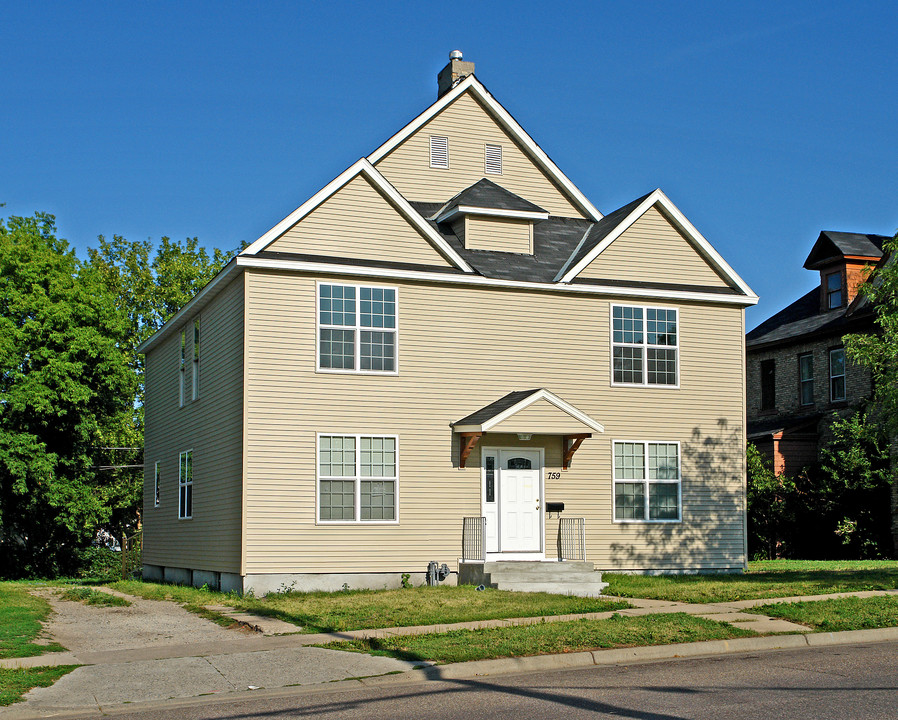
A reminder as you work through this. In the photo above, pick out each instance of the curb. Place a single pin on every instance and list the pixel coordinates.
(501, 666)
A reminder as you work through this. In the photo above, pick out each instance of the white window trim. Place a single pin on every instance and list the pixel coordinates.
(843, 376)
(195, 383)
(183, 484)
(357, 479)
(357, 328)
(430, 148)
(156, 485)
(182, 368)
(614, 481)
(486, 155)
(644, 345)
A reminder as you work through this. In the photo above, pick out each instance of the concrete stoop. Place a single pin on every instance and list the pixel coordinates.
(559, 578)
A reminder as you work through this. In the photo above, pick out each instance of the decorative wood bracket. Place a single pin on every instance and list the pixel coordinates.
(468, 441)
(570, 444)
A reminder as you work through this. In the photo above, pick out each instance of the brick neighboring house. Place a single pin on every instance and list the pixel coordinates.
(797, 374)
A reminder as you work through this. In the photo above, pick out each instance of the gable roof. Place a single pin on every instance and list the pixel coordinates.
(832, 246)
(628, 215)
(365, 168)
(472, 85)
(505, 407)
(487, 198)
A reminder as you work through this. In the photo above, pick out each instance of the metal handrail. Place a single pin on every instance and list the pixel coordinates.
(572, 538)
(473, 539)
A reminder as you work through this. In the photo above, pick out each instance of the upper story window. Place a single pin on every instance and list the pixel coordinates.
(833, 290)
(356, 328)
(185, 485)
(768, 384)
(156, 495)
(806, 379)
(182, 388)
(439, 151)
(357, 478)
(644, 346)
(196, 358)
(646, 481)
(493, 160)
(837, 374)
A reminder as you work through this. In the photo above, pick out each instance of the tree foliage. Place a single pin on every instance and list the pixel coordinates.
(772, 501)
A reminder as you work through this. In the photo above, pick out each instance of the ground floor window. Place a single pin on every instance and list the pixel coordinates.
(357, 478)
(185, 485)
(646, 481)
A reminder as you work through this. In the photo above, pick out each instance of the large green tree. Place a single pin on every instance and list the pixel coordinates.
(63, 388)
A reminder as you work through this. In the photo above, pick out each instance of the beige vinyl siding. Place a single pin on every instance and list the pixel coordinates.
(358, 222)
(460, 349)
(502, 234)
(469, 127)
(541, 417)
(211, 427)
(652, 250)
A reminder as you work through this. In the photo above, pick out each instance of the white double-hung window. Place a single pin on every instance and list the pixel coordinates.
(644, 346)
(357, 477)
(356, 328)
(185, 485)
(646, 481)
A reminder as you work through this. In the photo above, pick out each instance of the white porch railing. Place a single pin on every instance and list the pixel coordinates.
(572, 538)
(473, 539)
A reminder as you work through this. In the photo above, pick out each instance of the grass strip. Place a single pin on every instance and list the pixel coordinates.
(89, 596)
(546, 638)
(361, 609)
(767, 579)
(20, 622)
(15, 682)
(838, 614)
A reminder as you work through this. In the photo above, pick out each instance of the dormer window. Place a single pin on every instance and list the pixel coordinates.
(439, 152)
(833, 290)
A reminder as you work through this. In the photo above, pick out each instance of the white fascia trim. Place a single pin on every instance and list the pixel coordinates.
(433, 277)
(361, 167)
(708, 252)
(567, 262)
(542, 394)
(493, 212)
(211, 288)
(511, 125)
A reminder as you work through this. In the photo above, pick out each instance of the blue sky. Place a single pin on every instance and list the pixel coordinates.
(764, 122)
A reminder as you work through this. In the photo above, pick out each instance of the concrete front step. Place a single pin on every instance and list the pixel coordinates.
(563, 578)
(580, 589)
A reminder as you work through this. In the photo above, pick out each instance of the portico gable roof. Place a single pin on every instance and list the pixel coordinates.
(549, 414)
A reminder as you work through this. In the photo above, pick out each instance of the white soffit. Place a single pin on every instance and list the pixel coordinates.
(508, 122)
(361, 167)
(704, 248)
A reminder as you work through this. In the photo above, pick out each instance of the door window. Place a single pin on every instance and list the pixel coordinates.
(519, 463)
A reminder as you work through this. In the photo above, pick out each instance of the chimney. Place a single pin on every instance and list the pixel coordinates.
(453, 73)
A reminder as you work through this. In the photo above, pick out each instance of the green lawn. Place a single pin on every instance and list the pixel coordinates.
(359, 609)
(89, 596)
(839, 614)
(15, 683)
(20, 622)
(765, 579)
(551, 637)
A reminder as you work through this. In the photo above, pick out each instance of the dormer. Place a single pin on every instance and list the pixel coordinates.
(841, 259)
(486, 216)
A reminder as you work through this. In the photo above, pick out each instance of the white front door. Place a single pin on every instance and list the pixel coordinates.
(519, 501)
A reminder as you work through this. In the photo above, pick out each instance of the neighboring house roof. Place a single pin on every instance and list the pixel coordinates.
(487, 195)
(505, 407)
(787, 424)
(804, 318)
(832, 246)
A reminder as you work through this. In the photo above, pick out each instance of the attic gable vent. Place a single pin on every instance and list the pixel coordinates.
(439, 151)
(493, 160)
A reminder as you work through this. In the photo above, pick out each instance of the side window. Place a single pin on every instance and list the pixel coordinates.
(646, 481)
(185, 485)
(644, 346)
(156, 495)
(356, 328)
(806, 379)
(196, 359)
(768, 384)
(837, 374)
(182, 378)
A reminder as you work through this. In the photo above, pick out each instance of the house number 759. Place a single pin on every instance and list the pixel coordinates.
(553, 476)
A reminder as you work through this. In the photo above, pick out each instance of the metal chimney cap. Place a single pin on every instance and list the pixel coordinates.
(455, 55)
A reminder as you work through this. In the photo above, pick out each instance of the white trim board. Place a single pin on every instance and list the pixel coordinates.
(366, 169)
(495, 212)
(472, 84)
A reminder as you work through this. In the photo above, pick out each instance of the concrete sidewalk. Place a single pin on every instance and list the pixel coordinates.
(268, 661)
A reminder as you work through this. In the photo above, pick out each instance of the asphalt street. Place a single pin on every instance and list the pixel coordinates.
(859, 682)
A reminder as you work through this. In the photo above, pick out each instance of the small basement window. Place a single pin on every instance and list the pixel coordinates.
(439, 151)
(493, 160)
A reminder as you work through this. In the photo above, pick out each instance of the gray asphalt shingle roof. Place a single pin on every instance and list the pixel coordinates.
(488, 195)
(494, 408)
(832, 245)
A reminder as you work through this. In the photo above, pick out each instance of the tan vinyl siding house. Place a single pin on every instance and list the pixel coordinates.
(365, 371)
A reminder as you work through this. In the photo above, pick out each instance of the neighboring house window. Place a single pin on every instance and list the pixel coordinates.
(183, 369)
(768, 384)
(493, 160)
(806, 379)
(644, 346)
(357, 478)
(156, 485)
(356, 328)
(646, 481)
(439, 151)
(837, 374)
(834, 291)
(185, 485)
(196, 358)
